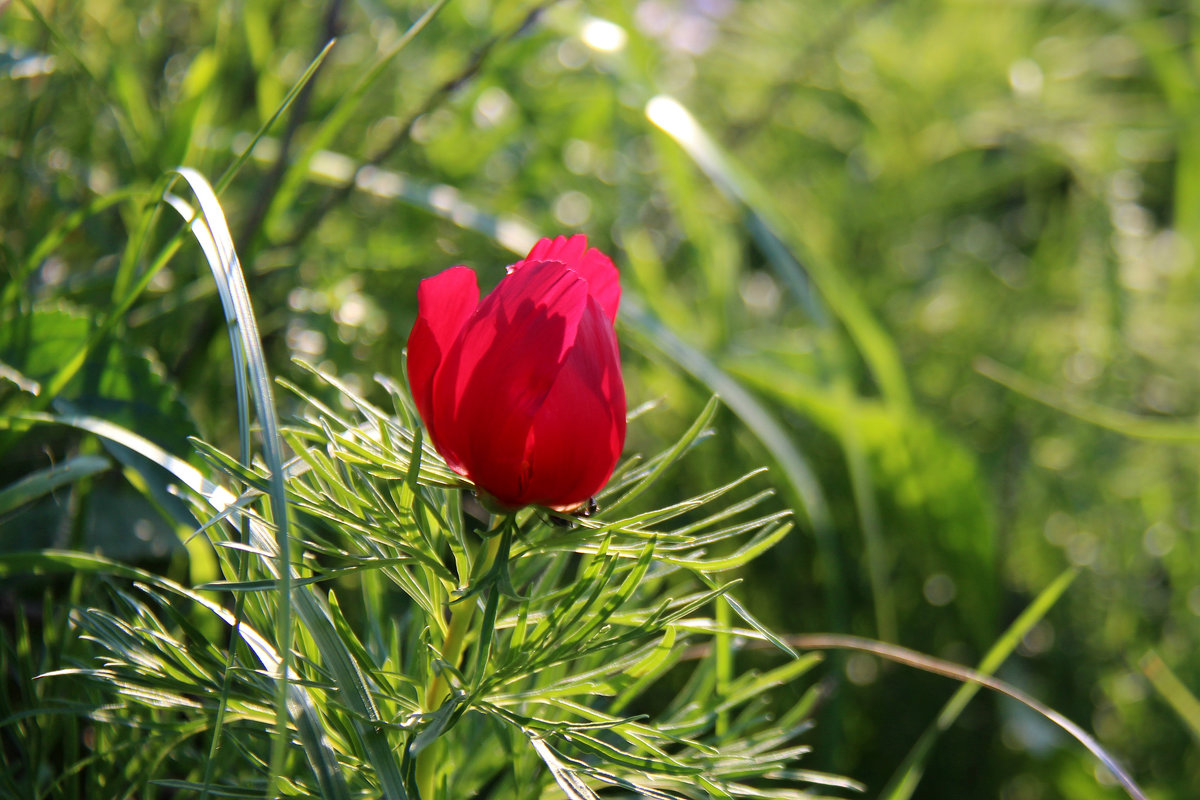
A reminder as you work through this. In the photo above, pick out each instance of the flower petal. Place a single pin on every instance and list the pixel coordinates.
(497, 373)
(444, 304)
(597, 269)
(579, 430)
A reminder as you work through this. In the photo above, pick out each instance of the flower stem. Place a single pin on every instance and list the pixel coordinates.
(462, 614)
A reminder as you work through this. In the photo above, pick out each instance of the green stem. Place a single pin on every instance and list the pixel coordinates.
(462, 614)
(723, 651)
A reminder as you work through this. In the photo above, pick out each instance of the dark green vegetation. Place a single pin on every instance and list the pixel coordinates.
(939, 259)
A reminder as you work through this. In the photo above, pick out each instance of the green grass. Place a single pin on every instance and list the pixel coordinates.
(938, 261)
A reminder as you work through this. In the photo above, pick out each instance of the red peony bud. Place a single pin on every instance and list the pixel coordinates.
(522, 393)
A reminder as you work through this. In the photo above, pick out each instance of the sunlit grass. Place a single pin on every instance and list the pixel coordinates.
(878, 232)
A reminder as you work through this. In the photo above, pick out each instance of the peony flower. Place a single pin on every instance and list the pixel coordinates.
(522, 392)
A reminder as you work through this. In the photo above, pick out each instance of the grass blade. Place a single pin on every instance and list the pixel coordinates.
(212, 232)
(1173, 690)
(769, 231)
(1131, 425)
(904, 782)
(44, 481)
(937, 666)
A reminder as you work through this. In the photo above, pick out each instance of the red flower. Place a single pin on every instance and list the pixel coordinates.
(522, 392)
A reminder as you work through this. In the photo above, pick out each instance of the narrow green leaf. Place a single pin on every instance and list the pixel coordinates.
(764, 541)
(755, 685)
(614, 755)
(1132, 425)
(750, 619)
(673, 453)
(566, 778)
(43, 481)
(1173, 690)
(207, 788)
(661, 658)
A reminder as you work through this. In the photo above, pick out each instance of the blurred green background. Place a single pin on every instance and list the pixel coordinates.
(938, 258)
